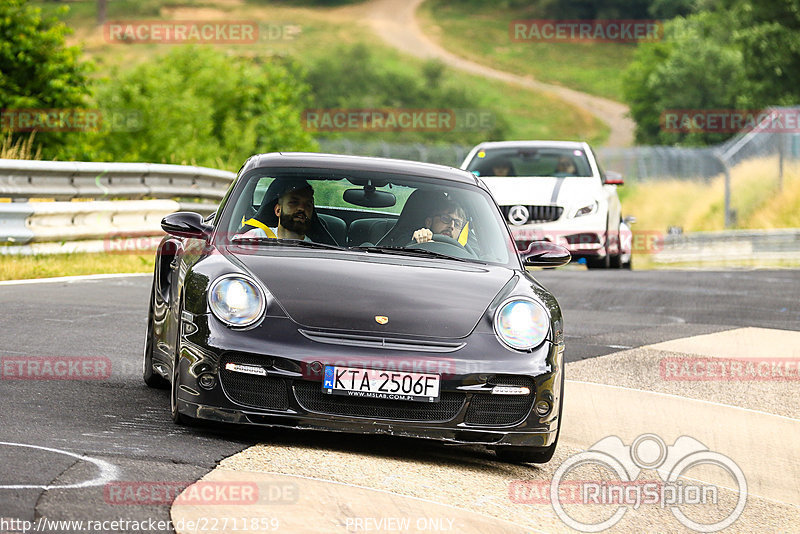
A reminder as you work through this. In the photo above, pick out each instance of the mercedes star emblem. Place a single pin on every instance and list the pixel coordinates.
(518, 215)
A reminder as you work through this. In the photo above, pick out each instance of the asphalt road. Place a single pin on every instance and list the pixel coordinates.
(62, 433)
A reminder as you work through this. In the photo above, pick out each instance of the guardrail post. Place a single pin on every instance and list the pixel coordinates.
(780, 164)
(13, 223)
(729, 216)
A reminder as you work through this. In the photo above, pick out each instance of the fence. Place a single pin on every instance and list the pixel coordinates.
(730, 246)
(447, 154)
(637, 164)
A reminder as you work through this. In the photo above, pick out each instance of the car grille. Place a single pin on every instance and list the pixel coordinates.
(266, 392)
(380, 342)
(311, 398)
(538, 214)
(496, 410)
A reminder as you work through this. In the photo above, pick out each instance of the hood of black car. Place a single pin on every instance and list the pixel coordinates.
(348, 290)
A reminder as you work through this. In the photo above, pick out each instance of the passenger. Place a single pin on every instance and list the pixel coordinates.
(292, 203)
(450, 221)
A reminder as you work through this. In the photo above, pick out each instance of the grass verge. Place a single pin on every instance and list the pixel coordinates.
(647, 263)
(47, 266)
(694, 206)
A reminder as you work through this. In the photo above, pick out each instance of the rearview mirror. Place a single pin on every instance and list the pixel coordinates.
(369, 198)
(186, 224)
(545, 254)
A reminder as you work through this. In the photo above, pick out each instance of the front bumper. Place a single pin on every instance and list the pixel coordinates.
(583, 237)
(290, 395)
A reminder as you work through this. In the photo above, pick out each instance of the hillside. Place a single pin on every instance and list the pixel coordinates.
(308, 35)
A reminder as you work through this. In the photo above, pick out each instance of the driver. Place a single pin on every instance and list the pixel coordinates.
(449, 221)
(566, 166)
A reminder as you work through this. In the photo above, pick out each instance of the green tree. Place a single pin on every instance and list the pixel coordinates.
(696, 67)
(201, 106)
(735, 54)
(37, 69)
(769, 37)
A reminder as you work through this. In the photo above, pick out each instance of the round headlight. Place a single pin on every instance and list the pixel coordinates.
(236, 301)
(522, 324)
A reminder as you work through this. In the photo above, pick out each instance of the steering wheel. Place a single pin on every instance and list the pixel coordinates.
(445, 245)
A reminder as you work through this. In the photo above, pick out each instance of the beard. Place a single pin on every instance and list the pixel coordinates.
(297, 223)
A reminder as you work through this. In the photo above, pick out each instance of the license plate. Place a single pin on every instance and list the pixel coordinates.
(378, 384)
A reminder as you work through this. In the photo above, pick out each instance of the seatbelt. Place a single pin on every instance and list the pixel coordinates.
(464, 235)
(259, 224)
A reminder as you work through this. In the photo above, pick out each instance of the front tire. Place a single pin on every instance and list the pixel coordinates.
(533, 455)
(599, 263)
(525, 455)
(151, 378)
(177, 417)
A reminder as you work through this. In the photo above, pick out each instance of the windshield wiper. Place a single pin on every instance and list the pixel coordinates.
(278, 241)
(401, 251)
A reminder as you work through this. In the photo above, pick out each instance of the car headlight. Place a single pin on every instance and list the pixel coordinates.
(522, 324)
(236, 300)
(586, 210)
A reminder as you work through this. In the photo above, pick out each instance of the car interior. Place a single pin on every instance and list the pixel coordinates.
(357, 212)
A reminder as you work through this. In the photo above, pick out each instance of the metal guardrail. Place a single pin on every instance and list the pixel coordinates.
(59, 226)
(67, 180)
(729, 246)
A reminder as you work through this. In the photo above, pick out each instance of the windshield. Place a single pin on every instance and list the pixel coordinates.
(368, 212)
(530, 161)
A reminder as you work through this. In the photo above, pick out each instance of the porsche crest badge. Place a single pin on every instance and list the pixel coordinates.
(381, 319)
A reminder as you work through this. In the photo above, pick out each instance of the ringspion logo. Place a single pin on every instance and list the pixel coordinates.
(677, 490)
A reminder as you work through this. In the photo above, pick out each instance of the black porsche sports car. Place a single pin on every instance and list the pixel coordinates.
(359, 325)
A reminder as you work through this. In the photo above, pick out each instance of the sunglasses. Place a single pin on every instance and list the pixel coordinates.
(447, 220)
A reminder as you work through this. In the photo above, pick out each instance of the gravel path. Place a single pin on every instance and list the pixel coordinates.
(395, 22)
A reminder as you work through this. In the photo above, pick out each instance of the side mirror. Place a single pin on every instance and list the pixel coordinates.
(545, 254)
(613, 178)
(186, 224)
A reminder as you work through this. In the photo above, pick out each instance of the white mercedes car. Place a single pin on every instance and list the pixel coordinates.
(556, 191)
